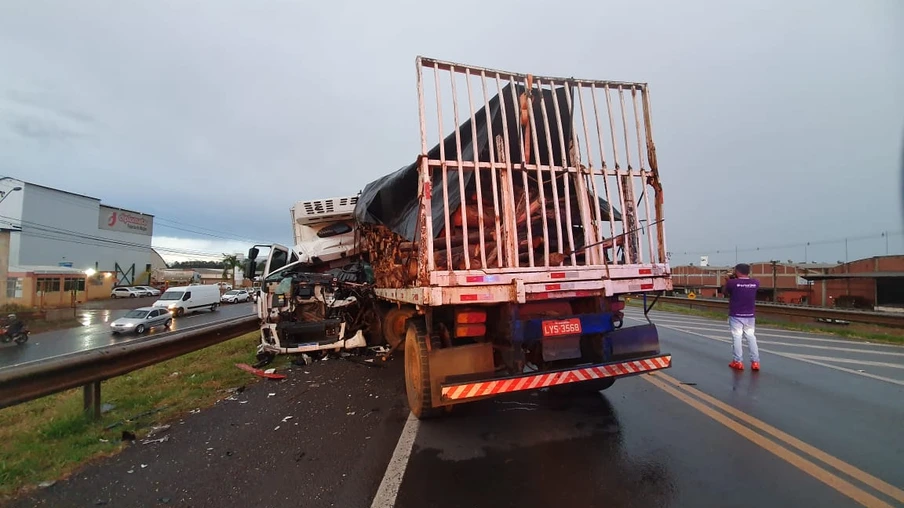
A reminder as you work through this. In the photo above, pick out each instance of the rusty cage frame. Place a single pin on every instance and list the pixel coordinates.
(546, 170)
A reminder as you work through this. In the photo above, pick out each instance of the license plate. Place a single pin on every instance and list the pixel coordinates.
(562, 327)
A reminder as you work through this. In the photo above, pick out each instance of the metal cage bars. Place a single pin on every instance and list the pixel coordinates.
(500, 232)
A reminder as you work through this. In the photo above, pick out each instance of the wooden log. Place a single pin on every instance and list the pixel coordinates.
(473, 216)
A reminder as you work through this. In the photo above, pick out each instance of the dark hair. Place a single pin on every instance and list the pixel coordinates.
(743, 269)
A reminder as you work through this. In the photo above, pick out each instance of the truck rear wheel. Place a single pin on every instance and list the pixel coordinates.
(394, 324)
(417, 371)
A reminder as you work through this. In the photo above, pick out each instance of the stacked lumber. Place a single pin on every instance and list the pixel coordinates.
(395, 259)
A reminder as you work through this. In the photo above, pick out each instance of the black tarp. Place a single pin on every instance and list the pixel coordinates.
(392, 199)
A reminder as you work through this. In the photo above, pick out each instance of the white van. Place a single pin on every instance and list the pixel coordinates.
(182, 299)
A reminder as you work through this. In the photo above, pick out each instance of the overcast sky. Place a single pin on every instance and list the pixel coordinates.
(775, 124)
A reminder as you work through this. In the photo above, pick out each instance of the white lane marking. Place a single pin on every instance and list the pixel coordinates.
(395, 471)
(760, 333)
(812, 346)
(791, 356)
(669, 318)
(848, 360)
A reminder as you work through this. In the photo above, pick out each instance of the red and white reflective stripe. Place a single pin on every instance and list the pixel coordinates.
(476, 297)
(563, 294)
(543, 380)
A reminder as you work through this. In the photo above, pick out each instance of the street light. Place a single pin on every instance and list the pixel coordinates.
(4, 194)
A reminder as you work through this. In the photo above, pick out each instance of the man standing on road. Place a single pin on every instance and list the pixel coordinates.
(741, 290)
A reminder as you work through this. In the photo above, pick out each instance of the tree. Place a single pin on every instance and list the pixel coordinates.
(230, 263)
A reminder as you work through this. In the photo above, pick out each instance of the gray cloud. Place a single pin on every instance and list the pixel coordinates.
(774, 123)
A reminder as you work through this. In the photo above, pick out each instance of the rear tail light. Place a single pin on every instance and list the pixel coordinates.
(470, 316)
(470, 330)
(615, 305)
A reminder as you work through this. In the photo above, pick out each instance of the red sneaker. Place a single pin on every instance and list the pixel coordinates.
(736, 365)
(754, 365)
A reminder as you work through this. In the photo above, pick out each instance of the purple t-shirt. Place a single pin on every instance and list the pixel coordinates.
(743, 297)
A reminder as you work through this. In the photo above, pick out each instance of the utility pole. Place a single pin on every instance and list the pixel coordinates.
(735, 254)
(774, 281)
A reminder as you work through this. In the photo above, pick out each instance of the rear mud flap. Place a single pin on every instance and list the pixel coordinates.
(633, 342)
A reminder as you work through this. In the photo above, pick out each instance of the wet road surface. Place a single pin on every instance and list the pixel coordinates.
(698, 434)
(801, 432)
(96, 332)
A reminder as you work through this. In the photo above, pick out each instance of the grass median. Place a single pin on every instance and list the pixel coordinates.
(855, 331)
(47, 438)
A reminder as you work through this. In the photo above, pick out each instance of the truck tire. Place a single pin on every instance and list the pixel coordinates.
(417, 371)
(394, 324)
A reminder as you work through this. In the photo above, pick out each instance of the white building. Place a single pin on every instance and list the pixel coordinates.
(51, 227)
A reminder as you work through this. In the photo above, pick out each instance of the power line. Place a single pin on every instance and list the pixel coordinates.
(69, 235)
(223, 235)
(802, 245)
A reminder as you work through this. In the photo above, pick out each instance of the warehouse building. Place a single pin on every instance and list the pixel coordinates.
(60, 247)
(872, 283)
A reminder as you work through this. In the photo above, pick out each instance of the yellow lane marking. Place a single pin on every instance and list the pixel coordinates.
(801, 463)
(862, 476)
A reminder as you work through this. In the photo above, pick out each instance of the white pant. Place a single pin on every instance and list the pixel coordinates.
(743, 327)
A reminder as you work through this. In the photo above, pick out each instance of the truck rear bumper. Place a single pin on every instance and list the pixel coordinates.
(474, 389)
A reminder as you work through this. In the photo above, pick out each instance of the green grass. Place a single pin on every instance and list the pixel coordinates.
(854, 331)
(48, 438)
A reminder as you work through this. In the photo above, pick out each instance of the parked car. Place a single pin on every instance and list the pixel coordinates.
(254, 293)
(127, 292)
(150, 290)
(235, 296)
(141, 320)
(182, 299)
(225, 286)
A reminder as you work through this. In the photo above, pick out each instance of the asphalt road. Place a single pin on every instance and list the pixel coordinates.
(818, 426)
(96, 332)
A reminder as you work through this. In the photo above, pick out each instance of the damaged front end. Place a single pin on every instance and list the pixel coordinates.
(302, 311)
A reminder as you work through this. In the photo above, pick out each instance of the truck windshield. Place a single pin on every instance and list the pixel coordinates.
(278, 275)
(172, 295)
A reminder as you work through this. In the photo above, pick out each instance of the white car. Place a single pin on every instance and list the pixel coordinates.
(127, 292)
(235, 296)
(149, 290)
(225, 286)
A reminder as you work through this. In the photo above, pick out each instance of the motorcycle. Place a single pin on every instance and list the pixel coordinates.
(20, 336)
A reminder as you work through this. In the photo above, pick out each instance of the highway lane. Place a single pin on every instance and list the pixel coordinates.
(654, 441)
(96, 334)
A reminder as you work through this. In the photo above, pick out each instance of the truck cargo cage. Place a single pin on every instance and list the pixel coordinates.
(553, 154)
(521, 179)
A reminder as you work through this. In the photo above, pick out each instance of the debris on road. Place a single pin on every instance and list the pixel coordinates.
(157, 429)
(259, 372)
(155, 441)
(47, 484)
(287, 418)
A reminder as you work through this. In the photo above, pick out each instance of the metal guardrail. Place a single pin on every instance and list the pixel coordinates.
(794, 312)
(88, 369)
